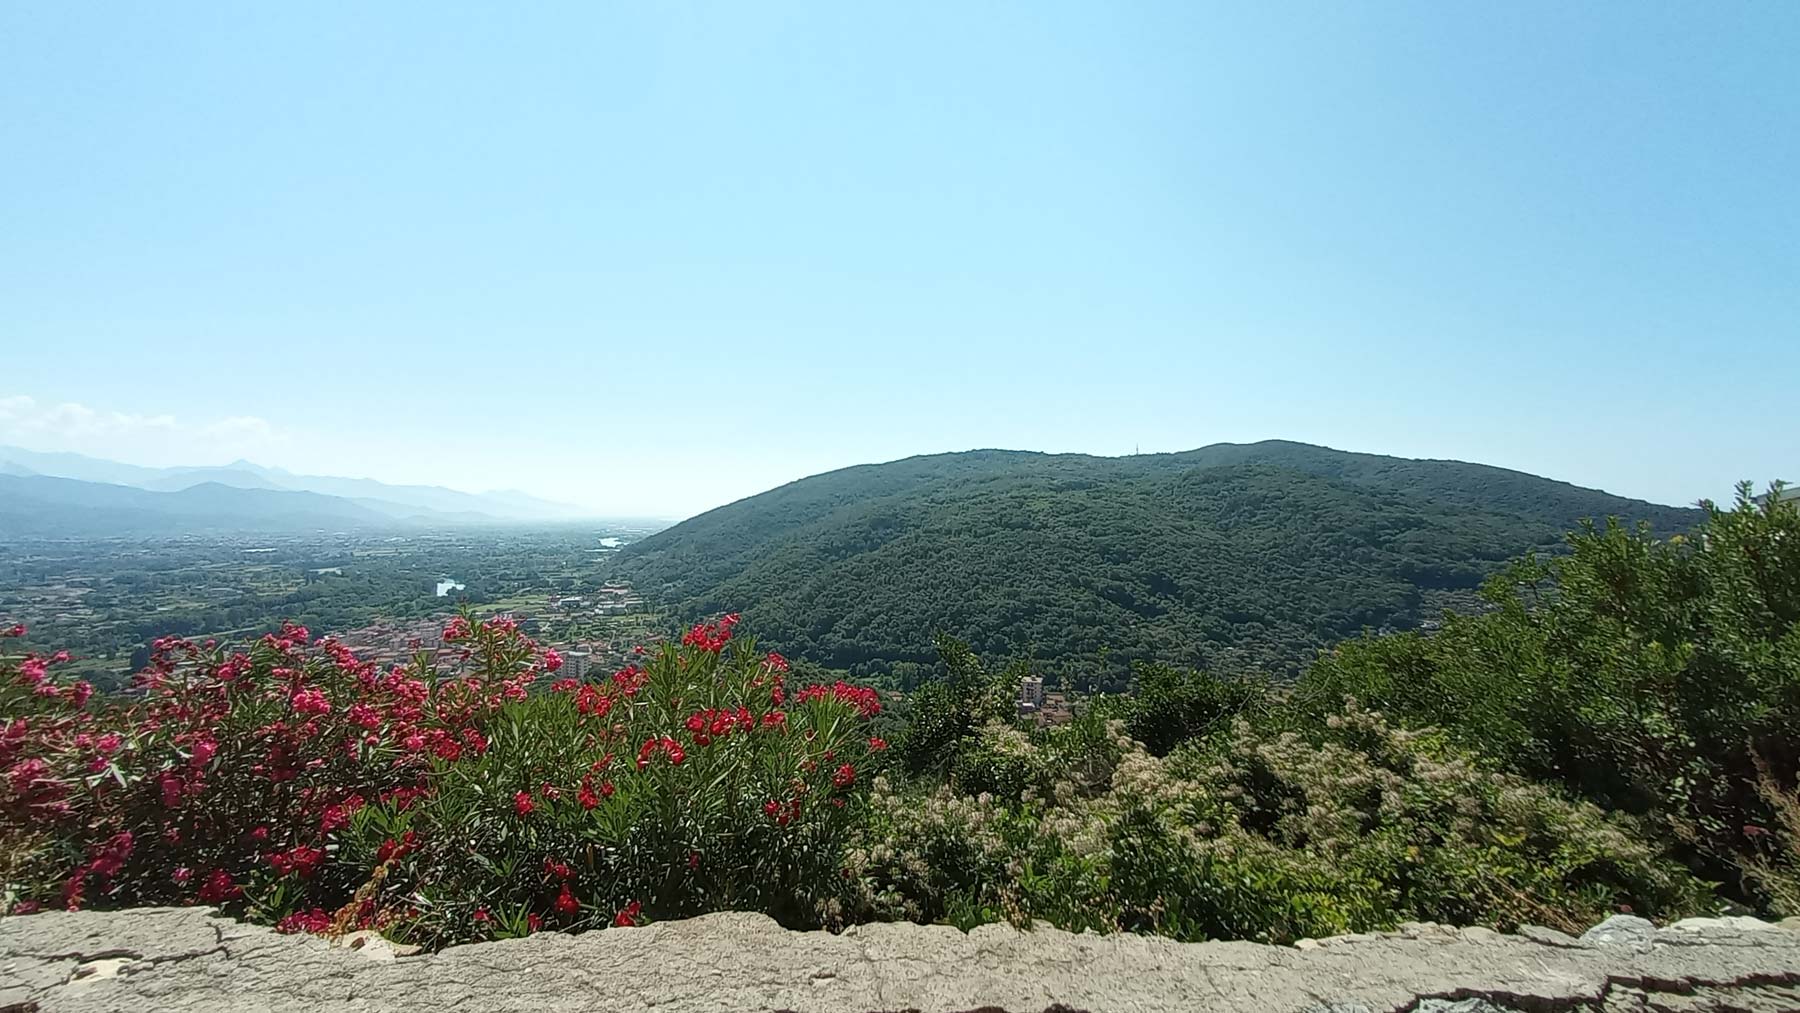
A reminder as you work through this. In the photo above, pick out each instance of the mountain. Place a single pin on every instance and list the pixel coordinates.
(1230, 556)
(177, 479)
(64, 507)
(77, 466)
(425, 504)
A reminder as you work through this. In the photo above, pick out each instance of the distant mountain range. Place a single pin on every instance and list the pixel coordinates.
(63, 493)
(1230, 556)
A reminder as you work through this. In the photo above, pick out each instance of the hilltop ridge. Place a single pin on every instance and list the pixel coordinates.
(1233, 555)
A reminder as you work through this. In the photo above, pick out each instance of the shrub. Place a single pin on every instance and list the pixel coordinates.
(228, 778)
(442, 801)
(694, 781)
(1172, 705)
(1644, 674)
(1261, 835)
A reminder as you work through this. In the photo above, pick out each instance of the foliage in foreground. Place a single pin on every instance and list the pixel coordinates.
(1249, 833)
(1656, 677)
(442, 802)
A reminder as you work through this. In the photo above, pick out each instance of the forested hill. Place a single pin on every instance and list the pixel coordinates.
(1230, 556)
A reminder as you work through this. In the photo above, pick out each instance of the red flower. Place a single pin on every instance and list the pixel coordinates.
(867, 701)
(534, 921)
(480, 916)
(522, 802)
(456, 629)
(844, 777)
(299, 860)
(552, 660)
(219, 887)
(589, 700)
(566, 902)
(561, 870)
(315, 921)
(877, 744)
(586, 795)
(628, 915)
(392, 850)
(711, 637)
(18, 630)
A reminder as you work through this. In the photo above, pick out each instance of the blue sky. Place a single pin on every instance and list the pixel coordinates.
(655, 257)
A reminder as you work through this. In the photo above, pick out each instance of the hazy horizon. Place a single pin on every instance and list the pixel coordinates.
(652, 260)
(1723, 497)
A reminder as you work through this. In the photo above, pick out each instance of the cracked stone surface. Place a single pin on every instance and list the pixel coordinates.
(190, 959)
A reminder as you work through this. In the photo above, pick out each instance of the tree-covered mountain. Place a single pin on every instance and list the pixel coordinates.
(1230, 556)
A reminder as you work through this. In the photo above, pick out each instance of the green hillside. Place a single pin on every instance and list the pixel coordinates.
(1231, 556)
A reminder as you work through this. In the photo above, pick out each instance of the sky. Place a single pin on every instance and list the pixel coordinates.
(655, 257)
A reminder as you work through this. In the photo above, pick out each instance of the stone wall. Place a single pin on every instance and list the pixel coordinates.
(189, 959)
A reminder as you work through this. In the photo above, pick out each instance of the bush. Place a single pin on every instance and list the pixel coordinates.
(1263, 835)
(444, 802)
(1172, 705)
(1645, 675)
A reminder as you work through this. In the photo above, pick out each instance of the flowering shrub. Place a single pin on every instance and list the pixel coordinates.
(691, 781)
(454, 798)
(229, 777)
(1263, 835)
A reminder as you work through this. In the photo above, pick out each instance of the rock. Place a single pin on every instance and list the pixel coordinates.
(374, 946)
(1622, 930)
(1460, 1006)
(193, 961)
(1548, 937)
(1478, 934)
(1792, 923)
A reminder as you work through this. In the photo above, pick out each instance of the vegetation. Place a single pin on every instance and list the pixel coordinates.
(1657, 677)
(1616, 733)
(1231, 558)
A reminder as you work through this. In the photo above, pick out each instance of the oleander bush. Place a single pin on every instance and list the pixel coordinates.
(444, 801)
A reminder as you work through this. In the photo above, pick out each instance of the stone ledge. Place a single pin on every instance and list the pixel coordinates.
(190, 959)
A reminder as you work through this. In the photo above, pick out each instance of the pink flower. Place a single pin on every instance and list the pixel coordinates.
(311, 701)
(15, 630)
(32, 671)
